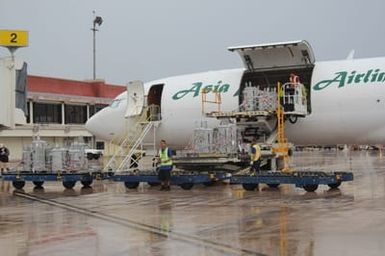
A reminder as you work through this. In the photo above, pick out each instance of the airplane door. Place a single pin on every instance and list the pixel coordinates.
(135, 98)
(295, 54)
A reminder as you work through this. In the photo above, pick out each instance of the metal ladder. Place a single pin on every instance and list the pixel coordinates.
(282, 148)
(128, 158)
(143, 125)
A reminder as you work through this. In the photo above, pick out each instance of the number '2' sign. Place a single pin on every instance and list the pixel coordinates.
(13, 38)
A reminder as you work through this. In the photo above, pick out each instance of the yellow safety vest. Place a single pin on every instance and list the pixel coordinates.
(281, 92)
(164, 159)
(257, 155)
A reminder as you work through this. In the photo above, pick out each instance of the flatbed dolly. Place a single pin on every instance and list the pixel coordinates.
(68, 179)
(186, 180)
(308, 180)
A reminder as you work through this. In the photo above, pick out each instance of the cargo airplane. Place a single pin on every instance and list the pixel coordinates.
(346, 98)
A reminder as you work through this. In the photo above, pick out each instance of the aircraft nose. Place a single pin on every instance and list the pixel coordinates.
(92, 125)
(106, 124)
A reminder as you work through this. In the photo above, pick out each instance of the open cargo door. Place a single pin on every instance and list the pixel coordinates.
(273, 63)
(135, 98)
(284, 55)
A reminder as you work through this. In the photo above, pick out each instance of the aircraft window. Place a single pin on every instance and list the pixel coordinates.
(115, 103)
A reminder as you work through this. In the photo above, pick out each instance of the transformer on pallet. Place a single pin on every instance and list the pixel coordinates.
(27, 159)
(43, 163)
(203, 140)
(58, 158)
(257, 99)
(38, 155)
(225, 138)
(267, 99)
(77, 159)
(249, 103)
(34, 156)
(41, 157)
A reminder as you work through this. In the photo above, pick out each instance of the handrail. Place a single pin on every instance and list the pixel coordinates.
(134, 137)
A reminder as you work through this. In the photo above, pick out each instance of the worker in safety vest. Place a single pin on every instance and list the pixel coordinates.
(4, 154)
(165, 161)
(255, 156)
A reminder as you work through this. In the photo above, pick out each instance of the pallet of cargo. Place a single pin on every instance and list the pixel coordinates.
(186, 180)
(239, 114)
(307, 180)
(68, 179)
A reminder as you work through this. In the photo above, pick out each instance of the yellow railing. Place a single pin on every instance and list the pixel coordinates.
(217, 100)
(282, 148)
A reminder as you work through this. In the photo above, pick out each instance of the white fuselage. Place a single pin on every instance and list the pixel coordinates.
(347, 101)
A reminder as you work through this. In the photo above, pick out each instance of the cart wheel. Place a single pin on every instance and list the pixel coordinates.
(131, 185)
(18, 184)
(310, 188)
(187, 186)
(208, 183)
(38, 184)
(153, 184)
(86, 183)
(335, 185)
(273, 185)
(69, 184)
(249, 187)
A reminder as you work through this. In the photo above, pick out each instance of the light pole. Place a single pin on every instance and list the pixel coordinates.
(97, 20)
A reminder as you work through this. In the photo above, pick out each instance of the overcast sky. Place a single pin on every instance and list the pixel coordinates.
(150, 39)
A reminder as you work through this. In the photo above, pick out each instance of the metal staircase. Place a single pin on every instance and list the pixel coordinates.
(129, 159)
(131, 145)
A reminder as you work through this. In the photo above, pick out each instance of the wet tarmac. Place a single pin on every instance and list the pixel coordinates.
(108, 219)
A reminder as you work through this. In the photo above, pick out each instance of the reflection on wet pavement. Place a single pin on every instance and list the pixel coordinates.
(107, 219)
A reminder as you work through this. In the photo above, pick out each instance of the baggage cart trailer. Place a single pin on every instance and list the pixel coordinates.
(308, 180)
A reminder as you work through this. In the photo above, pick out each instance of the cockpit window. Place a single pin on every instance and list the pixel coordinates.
(115, 103)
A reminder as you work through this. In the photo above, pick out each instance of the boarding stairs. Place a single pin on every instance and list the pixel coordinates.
(129, 160)
(130, 148)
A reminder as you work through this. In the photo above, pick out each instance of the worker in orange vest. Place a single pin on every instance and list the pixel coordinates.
(294, 79)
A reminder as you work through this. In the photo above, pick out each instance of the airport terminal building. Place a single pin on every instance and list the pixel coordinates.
(56, 111)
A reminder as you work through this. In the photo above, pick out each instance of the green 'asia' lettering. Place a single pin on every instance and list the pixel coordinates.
(194, 90)
(198, 87)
